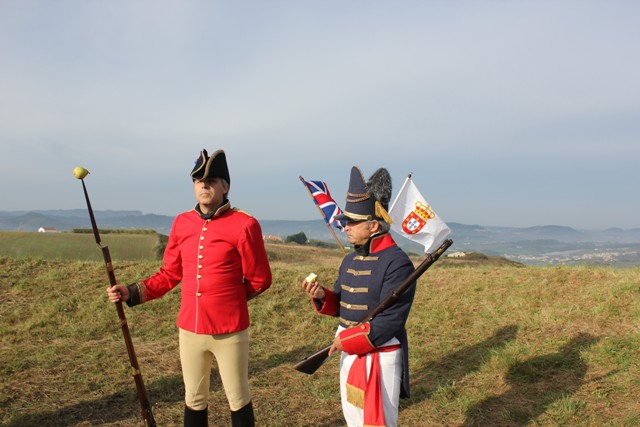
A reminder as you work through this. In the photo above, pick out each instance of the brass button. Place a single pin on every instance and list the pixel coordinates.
(200, 256)
(201, 247)
(204, 229)
(201, 237)
(199, 294)
(200, 266)
(199, 276)
(348, 305)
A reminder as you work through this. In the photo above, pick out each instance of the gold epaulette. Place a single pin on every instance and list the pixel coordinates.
(241, 211)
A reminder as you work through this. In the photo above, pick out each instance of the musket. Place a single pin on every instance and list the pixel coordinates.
(312, 363)
(147, 414)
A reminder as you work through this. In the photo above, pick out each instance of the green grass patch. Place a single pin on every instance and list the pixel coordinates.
(137, 245)
(491, 345)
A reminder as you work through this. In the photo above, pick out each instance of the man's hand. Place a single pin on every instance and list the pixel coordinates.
(118, 293)
(313, 289)
(337, 345)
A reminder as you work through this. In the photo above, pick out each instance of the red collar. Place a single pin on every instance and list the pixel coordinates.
(380, 242)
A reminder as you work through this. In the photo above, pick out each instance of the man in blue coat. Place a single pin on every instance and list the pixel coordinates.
(374, 371)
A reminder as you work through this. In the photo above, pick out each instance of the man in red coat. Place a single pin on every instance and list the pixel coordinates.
(217, 253)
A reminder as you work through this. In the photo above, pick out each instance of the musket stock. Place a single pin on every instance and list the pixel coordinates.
(147, 414)
(311, 364)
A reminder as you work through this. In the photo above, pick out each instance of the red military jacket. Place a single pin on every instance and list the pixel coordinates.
(221, 262)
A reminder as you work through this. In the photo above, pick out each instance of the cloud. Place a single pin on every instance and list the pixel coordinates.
(479, 100)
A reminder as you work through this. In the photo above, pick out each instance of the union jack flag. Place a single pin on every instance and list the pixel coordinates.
(321, 196)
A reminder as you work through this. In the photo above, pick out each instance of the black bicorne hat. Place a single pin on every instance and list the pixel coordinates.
(211, 167)
(367, 200)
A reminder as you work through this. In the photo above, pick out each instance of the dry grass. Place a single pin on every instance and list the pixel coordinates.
(490, 345)
(66, 246)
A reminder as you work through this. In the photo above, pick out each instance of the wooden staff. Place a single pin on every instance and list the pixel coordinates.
(147, 414)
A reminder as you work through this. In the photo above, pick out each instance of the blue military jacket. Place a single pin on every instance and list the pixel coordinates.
(366, 277)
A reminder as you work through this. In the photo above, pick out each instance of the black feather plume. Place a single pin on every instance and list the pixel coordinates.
(379, 186)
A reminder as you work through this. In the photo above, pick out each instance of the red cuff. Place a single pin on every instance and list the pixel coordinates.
(330, 306)
(356, 340)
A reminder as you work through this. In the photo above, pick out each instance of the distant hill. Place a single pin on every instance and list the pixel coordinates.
(78, 218)
(546, 244)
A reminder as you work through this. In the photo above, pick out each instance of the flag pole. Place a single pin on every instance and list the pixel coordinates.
(335, 236)
(406, 181)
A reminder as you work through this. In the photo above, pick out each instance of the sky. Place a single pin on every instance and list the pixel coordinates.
(508, 113)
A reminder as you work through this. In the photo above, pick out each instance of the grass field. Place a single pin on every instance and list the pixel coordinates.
(491, 345)
(78, 246)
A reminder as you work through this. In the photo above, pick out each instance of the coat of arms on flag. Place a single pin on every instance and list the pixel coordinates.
(414, 218)
(417, 218)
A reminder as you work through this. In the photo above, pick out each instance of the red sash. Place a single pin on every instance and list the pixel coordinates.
(367, 394)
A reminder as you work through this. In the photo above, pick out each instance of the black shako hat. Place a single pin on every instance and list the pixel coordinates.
(367, 200)
(211, 167)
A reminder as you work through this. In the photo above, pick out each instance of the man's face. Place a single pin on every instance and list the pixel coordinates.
(358, 232)
(210, 193)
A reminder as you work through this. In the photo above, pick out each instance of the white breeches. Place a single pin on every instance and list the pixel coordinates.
(391, 378)
(231, 352)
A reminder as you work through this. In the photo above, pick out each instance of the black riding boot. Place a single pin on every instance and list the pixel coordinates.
(243, 417)
(193, 418)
